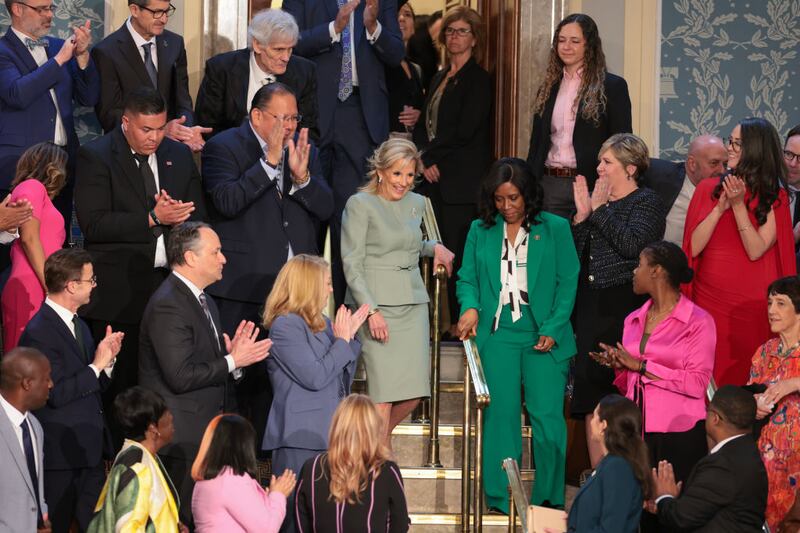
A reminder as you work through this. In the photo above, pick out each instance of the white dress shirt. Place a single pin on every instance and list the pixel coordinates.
(257, 79)
(39, 55)
(336, 37)
(676, 218)
(66, 316)
(160, 260)
(16, 418)
(139, 41)
(7, 237)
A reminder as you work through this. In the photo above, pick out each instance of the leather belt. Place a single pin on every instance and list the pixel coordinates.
(561, 172)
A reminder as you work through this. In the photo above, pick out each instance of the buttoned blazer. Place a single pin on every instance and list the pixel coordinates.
(552, 278)
(18, 504)
(122, 70)
(73, 418)
(255, 222)
(222, 98)
(27, 111)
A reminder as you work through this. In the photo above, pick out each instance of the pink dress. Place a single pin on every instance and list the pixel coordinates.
(23, 294)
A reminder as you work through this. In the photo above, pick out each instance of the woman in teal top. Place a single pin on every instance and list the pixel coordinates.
(516, 289)
(381, 246)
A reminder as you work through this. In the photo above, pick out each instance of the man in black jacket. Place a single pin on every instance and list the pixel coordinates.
(727, 490)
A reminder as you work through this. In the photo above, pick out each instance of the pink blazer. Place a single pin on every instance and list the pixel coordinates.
(236, 504)
(680, 351)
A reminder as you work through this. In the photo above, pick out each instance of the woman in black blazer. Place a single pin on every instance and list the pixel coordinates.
(456, 148)
(578, 106)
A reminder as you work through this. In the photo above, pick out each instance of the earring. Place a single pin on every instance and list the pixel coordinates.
(380, 179)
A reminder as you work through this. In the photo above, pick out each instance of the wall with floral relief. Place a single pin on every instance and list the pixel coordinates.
(722, 61)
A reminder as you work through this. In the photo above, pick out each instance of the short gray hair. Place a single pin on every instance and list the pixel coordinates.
(270, 24)
(182, 238)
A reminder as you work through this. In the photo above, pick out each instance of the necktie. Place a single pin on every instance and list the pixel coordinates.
(150, 189)
(33, 43)
(149, 66)
(78, 337)
(30, 458)
(269, 78)
(207, 311)
(346, 75)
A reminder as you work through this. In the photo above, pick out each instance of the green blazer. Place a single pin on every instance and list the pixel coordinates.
(552, 278)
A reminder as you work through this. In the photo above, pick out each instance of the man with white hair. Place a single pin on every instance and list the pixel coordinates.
(232, 78)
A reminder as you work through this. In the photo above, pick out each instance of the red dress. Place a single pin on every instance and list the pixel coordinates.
(730, 286)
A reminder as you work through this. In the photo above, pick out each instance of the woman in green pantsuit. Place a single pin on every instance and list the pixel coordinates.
(516, 289)
(381, 246)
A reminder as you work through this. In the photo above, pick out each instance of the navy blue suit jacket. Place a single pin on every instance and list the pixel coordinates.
(610, 500)
(255, 222)
(27, 112)
(73, 420)
(310, 373)
(313, 17)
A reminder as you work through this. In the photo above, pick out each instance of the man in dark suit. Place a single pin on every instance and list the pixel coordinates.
(40, 77)
(727, 490)
(133, 187)
(232, 79)
(351, 43)
(268, 198)
(144, 53)
(675, 182)
(77, 438)
(185, 357)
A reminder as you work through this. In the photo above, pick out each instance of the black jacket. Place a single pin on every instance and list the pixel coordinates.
(666, 178)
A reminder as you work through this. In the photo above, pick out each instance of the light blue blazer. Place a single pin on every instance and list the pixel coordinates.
(18, 500)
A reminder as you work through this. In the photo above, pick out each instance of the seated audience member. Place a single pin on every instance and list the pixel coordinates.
(675, 182)
(77, 436)
(312, 363)
(138, 494)
(184, 355)
(227, 495)
(232, 79)
(727, 490)
(354, 486)
(24, 386)
(611, 499)
(665, 360)
(41, 174)
(776, 365)
(404, 82)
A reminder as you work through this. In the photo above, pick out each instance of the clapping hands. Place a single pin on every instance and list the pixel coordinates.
(245, 348)
(283, 484)
(347, 323)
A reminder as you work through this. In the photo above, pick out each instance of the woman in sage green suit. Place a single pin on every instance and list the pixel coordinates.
(381, 247)
(516, 289)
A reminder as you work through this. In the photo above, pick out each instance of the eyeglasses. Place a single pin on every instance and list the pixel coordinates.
(288, 118)
(461, 32)
(733, 143)
(791, 157)
(159, 13)
(92, 281)
(41, 10)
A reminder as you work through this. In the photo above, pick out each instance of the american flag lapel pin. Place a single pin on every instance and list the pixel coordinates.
(168, 163)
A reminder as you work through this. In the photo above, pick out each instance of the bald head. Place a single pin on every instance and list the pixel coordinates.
(25, 378)
(707, 158)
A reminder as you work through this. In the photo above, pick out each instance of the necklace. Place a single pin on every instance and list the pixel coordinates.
(782, 353)
(653, 318)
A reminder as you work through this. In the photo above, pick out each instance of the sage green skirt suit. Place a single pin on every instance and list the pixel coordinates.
(510, 363)
(381, 247)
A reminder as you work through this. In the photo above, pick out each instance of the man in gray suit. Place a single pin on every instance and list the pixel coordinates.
(24, 386)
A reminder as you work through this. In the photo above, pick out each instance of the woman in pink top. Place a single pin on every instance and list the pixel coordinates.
(665, 360)
(227, 496)
(41, 174)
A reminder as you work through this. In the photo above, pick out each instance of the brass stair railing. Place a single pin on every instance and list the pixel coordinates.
(474, 381)
(518, 500)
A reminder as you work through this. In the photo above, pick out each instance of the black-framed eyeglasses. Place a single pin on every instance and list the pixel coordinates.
(159, 13)
(733, 143)
(461, 32)
(288, 118)
(92, 281)
(791, 157)
(41, 10)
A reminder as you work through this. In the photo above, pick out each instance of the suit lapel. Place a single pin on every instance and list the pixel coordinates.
(164, 64)
(133, 59)
(21, 50)
(537, 237)
(200, 315)
(240, 80)
(10, 437)
(165, 167)
(56, 324)
(124, 158)
(494, 248)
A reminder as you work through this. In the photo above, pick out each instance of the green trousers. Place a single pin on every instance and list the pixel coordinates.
(511, 364)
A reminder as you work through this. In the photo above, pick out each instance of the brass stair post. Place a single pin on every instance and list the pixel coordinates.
(433, 448)
(465, 451)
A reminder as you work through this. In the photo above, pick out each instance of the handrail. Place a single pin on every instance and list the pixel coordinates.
(519, 500)
(711, 390)
(474, 379)
(440, 278)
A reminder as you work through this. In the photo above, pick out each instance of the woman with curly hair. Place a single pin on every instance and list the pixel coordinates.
(517, 287)
(352, 487)
(41, 174)
(738, 239)
(578, 106)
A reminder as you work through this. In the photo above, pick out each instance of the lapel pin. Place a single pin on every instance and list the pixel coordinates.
(537, 237)
(169, 164)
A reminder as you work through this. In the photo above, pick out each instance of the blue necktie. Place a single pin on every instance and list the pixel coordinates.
(30, 458)
(33, 43)
(149, 66)
(346, 76)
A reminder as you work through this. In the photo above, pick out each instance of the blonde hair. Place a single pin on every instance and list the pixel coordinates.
(471, 17)
(387, 154)
(199, 465)
(297, 290)
(629, 150)
(45, 162)
(356, 450)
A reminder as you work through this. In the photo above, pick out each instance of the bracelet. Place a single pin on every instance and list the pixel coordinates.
(376, 310)
(643, 367)
(154, 217)
(305, 178)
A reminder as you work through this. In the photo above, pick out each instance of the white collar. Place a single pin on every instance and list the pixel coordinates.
(192, 287)
(261, 142)
(722, 443)
(22, 36)
(13, 414)
(65, 314)
(138, 39)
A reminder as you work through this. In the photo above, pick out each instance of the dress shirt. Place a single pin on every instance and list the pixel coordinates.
(7, 237)
(139, 41)
(257, 78)
(676, 218)
(562, 124)
(160, 260)
(513, 275)
(39, 54)
(196, 291)
(336, 37)
(66, 316)
(16, 418)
